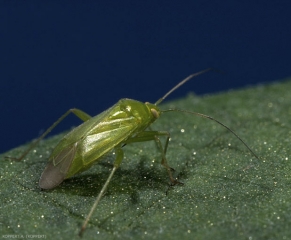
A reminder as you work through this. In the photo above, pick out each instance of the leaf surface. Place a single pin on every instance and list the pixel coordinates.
(227, 193)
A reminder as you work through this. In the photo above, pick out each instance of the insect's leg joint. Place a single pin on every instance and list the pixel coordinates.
(119, 156)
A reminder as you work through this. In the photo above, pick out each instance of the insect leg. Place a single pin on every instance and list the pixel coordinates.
(117, 162)
(80, 114)
(164, 160)
(154, 135)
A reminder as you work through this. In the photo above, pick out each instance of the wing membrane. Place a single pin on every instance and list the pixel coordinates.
(57, 168)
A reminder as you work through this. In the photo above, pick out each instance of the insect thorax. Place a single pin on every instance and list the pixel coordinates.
(145, 113)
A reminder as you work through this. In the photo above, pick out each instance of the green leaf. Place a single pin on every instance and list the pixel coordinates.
(227, 192)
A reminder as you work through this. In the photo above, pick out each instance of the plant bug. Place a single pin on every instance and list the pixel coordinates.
(125, 122)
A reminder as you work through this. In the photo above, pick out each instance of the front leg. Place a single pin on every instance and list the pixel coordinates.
(155, 135)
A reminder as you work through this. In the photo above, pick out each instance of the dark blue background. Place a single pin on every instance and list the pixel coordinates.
(55, 55)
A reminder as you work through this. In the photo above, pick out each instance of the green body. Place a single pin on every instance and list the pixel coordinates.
(85, 144)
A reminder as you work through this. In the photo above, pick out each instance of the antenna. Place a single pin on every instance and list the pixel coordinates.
(213, 119)
(182, 82)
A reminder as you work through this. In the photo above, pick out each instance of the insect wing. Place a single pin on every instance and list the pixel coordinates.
(106, 137)
(102, 136)
(57, 168)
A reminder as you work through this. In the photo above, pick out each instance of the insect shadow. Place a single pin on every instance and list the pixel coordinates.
(138, 177)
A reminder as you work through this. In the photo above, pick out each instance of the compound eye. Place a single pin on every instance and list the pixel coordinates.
(155, 113)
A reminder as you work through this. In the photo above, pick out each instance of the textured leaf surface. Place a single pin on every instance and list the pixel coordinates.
(227, 193)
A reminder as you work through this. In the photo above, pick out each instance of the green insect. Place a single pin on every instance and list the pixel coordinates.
(125, 122)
